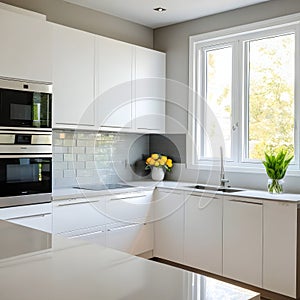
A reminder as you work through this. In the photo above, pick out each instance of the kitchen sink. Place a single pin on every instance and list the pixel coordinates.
(216, 188)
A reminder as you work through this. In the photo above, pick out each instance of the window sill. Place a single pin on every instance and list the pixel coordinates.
(241, 168)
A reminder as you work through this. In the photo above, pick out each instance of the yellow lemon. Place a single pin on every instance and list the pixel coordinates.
(164, 158)
(156, 164)
(155, 156)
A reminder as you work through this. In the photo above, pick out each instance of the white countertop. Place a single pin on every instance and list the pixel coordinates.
(67, 193)
(75, 270)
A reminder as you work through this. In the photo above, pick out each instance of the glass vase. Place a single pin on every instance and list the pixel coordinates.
(275, 186)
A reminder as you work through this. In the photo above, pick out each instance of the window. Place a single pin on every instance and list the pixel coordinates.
(271, 77)
(244, 94)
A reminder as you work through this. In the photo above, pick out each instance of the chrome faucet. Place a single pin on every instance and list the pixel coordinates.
(223, 180)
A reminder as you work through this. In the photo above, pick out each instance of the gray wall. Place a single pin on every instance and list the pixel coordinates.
(71, 15)
(174, 40)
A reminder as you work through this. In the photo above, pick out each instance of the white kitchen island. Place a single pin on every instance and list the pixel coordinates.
(74, 270)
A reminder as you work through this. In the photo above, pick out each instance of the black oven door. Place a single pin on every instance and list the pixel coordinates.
(25, 179)
(25, 109)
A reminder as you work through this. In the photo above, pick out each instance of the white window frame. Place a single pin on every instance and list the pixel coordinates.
(239, 35)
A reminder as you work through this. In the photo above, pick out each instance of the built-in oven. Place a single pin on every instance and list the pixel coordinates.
(25, 104)
(25, 167)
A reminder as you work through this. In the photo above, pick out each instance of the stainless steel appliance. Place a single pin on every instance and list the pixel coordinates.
(25, 105)
(25, 167)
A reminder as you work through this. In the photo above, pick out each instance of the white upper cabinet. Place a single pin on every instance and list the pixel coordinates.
(25, 47)
(150, 90)
(113, 80)
(73, 77)
(130, 87)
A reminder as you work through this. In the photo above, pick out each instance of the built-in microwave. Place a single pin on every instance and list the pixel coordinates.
(25, 167)
(25, 104)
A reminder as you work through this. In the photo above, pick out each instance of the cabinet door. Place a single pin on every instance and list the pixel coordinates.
(150, 90)
(203, 233)
(75, 214)
(242, 240)
(169, 225)
(26, 47)
(280, 247)
(113, 83)
(73, 77)
(131, 238)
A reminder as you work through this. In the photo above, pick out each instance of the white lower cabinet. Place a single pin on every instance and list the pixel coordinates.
(245, 239)
(119, 220)
(203, 233)
(242, 240)
(130, 215)
(169, 225)
(280, 247)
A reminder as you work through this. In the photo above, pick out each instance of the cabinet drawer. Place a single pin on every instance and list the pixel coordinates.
(130, 206)
(40, 222)
(95, 235)
(70, 215)
(131, 238)
(38, 216)
(26, 210)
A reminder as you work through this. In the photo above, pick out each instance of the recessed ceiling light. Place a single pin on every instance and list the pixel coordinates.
(160, 9)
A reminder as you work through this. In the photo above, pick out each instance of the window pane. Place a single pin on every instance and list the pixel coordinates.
(271, 94)
(217, 124)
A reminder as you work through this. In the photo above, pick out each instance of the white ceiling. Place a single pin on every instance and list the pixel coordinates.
(141, 11)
